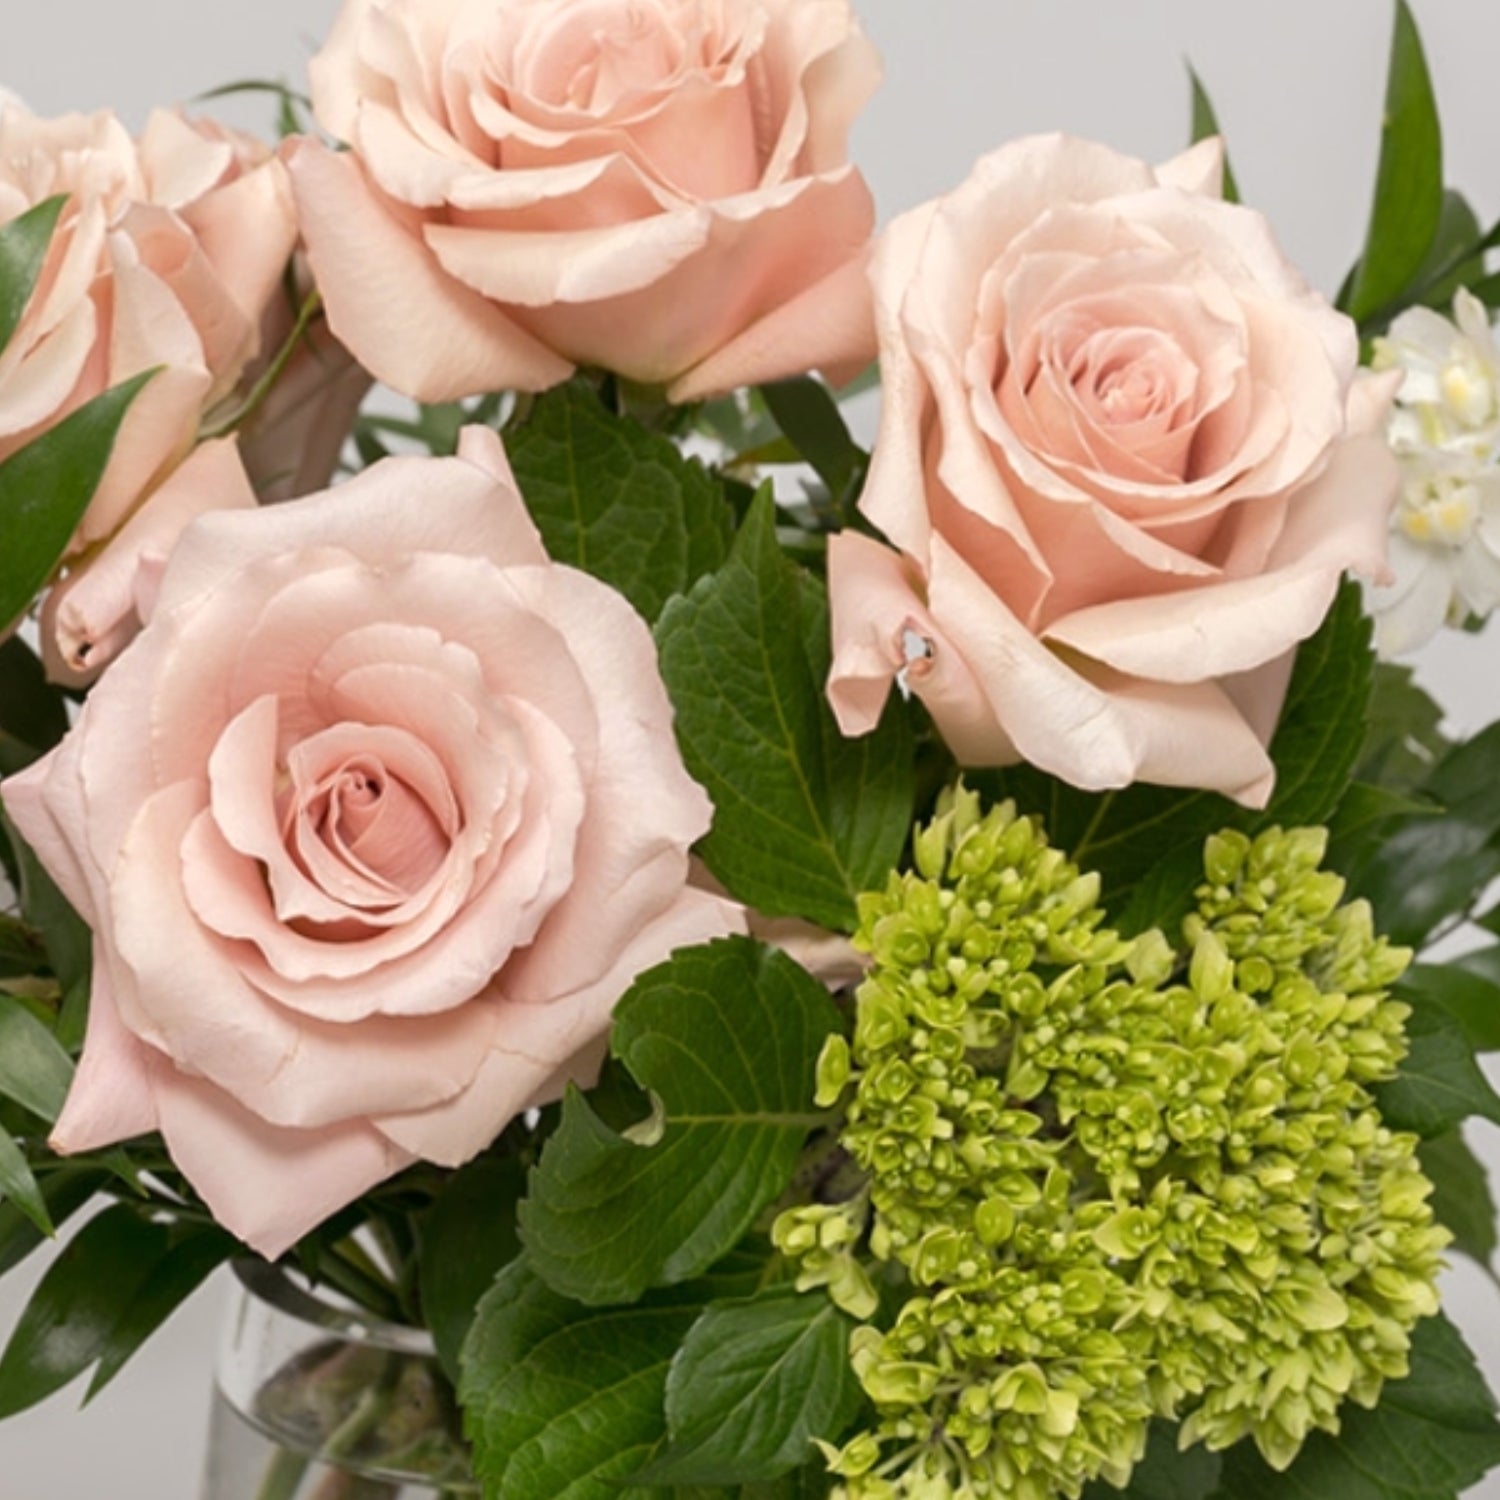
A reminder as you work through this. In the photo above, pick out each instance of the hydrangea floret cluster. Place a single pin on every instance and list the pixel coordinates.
(1113, 1179)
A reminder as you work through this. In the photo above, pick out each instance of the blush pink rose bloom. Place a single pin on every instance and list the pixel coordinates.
(658, 187)
(1124, 458)
(168, 255)
(373, 824)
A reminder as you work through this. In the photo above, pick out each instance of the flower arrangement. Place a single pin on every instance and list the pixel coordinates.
(919, 973)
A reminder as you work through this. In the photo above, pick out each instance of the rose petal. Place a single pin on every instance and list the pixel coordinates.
(110, 1098)
(268, 1184)
(540, 1047)
(409, 322)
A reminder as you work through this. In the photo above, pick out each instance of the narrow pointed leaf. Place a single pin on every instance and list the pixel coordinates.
(1408, 203)
(23, 252)
(64, 1191)
(1453, 261)
(19, 1187)
(193, 1257)
(1205, 123)
(34, 1070)
(45, 488)
(810, 418)
(66, 1325)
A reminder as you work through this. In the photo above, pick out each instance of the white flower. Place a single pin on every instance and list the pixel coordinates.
(1444, 549)
(1451, 395)
(1445, 430)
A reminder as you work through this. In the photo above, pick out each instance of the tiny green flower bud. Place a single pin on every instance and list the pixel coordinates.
(832, 1072)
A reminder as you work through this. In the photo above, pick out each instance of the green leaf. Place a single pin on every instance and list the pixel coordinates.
(24, 242)
(726, 1037)
(292, 108)
(45, 488)
(561, 1401)
(33, 715)
(1423, 874)
(195, 1252)
(1431, 1437)
(1163, 1473)
(1461, 1197)
(34, 1070)
(468, 1235)
(810, 419)
(1366, 819)
(753, 1384)
(19, 1186)
(1205, 123)
(21, 950)
(64, 1190)
(1404, 739)
(1453, 261)
(1408, 203)
(1467, 988)
(804, 818)
(1464, 780)
(1439, 1084)
(1318, 737)
(1146, 842)
(67, 1324)
(617, 501)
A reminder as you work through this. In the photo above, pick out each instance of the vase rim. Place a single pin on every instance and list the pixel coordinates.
(281, 1289)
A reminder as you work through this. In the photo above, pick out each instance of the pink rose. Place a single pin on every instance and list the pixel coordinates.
(373, 824)
(1125, 456)
(659, 187)
(168, 254)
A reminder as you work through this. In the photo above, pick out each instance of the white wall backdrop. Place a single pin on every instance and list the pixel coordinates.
(1298, 86)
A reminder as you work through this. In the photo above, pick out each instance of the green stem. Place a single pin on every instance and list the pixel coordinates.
(284, 1476)
(356, 1281)
(274, 371)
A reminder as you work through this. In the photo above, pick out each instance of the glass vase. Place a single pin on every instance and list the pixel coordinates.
(317, 1401)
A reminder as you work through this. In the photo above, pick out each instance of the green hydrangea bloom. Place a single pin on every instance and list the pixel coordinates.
(1113, 1179)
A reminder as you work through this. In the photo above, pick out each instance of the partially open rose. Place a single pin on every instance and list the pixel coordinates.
(169, 251)
(167, 256)
(373, 824)
(658, 187)
(1125, 456)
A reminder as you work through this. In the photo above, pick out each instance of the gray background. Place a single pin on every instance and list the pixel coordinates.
(1298, 86)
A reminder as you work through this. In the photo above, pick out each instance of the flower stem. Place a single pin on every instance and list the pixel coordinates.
(247, 408)
(284, 1476)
